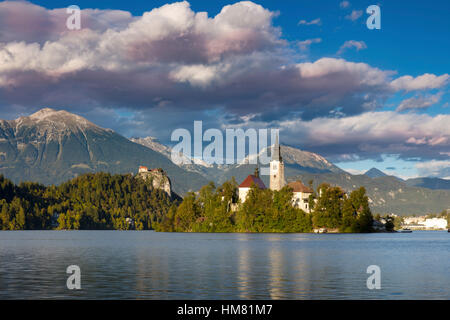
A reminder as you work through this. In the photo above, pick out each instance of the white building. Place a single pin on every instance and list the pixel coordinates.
(244, 187)
(143, 169)
(301, 193)
(277, 181)
(436, 223)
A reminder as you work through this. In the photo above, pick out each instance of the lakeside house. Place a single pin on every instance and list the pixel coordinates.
(301, 193)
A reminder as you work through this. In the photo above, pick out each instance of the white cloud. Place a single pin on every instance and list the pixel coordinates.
(371, 134)
(359, 72)
(434, 168)
(172, 33)
(355, 15)
(358, 45)
(235, 62)
(305, 44)
(198, 75)
(344, 4)
(419, 102)
(317, 21)
(423, 82)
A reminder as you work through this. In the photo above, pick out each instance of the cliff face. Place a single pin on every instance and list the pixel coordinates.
(159, 180)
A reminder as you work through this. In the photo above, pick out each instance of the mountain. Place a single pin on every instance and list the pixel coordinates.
(154, 144)
(375, 173)
(387, 194)
(430, 183)
(52, 146)
(296, 161)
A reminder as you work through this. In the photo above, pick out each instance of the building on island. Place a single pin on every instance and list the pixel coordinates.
(277, 181)
(244, 187)
(301, 193)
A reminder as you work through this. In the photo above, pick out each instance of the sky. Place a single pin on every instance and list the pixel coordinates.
(361, 98)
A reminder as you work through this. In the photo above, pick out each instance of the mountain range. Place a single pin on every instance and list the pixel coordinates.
(53, 146)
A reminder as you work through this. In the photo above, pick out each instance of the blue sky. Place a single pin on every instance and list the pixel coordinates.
(311, 68)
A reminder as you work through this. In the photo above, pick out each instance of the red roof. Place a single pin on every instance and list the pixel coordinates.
(251, 179)
(298, 186)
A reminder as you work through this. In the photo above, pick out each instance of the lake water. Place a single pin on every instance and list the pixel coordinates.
(150, 265)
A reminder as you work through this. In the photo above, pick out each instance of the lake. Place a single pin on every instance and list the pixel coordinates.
(151, 265)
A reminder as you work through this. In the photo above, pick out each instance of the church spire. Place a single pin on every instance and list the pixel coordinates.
(277, 151)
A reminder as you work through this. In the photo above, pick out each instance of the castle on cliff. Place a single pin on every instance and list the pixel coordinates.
(158, 177)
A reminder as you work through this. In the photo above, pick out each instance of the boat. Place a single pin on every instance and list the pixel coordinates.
(406, 230)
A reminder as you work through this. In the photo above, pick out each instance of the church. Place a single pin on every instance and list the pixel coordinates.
(301, 192)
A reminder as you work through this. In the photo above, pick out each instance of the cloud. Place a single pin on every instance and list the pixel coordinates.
(355, 15)
(423, 82)
(317, 22)
(371, 134)
(175, 56)
(235, 61)
(344, 4)
(419, 102)
(172, 66)
(305, 44)
(358, 45)
(434, 168)
(24, 21)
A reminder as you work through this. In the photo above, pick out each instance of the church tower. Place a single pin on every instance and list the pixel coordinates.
(276, 168)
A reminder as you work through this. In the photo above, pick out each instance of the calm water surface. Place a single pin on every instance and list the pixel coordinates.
(150, 265)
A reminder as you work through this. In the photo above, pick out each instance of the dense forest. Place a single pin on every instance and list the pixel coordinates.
(103, 201)
(211, 210)
(98, 201)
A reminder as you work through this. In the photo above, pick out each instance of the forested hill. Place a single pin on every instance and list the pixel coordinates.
(91, 201)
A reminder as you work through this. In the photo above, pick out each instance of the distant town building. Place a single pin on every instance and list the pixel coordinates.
(436, 223)
(424, 223)
(301, 193)
(245, 186)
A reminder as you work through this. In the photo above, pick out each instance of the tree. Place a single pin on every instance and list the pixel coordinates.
(327, 212)
(187, 213)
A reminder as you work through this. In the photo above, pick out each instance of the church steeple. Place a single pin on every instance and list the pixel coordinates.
(277, 151)
(277, 181)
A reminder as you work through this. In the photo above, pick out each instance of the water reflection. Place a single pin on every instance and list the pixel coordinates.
(244, 273)
(276, 272)
(149, 265)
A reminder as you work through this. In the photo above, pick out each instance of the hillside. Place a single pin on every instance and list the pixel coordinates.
(430, 183)
(386, 194)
